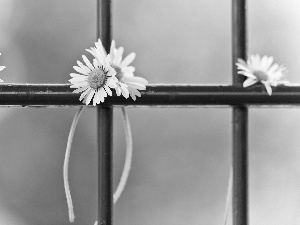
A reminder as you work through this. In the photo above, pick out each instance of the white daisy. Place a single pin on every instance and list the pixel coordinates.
(128, 84)
(94, 80)
(2, 68)
(258, 69)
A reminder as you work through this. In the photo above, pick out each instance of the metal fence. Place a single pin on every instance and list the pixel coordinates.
(233, 95)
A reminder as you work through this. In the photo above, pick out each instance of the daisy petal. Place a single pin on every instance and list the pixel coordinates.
(246, 74)
(81, 89)
(268, 63)
(257, 61)
(111, 83)
(268, 87)
(79, 83)
(112, 48)
(128, 69)
(77, 79)
(111, 72)
(97, 97)
(136, 85)
(254, 61)
(249, 81)
(100, 97)
(273, 68)
(242, 67)
(118, 90)
(80, 70)
(83, 94)
(96, 63)
(124, 91)
(2, 68)
(85, 68)
(139, 80)
(133, 93)
(100, 48)
(242, 62)
(87, 62)
(263, 63)
(108, 91)
(102, 93)
(92, 51)
(128, 60)
(76, 75)
(118, 56)
(132, 96)
(89, 96)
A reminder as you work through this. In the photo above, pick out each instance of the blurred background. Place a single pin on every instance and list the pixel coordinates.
(181, 156)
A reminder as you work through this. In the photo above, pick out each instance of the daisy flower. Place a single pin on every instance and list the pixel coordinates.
(94, 80)
(258, 69)
(128, 84)
(2, 68)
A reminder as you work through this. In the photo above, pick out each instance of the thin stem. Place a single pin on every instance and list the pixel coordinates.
(128, 157)
(66, 164)
(127, 164)
(229, 195)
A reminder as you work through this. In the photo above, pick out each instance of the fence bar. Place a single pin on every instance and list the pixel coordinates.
(240, 119)
(105, 206)
(155, 95)
(105, 124)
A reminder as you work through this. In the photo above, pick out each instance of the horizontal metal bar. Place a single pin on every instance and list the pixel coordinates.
(155, 95)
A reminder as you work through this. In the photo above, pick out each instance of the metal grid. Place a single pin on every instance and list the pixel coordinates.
(234, 96)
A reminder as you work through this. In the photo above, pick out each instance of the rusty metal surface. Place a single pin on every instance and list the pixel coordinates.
(164, 95)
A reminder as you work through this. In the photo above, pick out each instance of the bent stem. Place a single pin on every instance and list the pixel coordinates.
(229, 193)
(66, 164)
(127, 164)
(128, 157)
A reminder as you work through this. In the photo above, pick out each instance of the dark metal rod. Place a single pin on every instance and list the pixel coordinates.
(239, 37)
(104, 22)
(240, 119)
(105, 127)
(105, 130)
(240, 166)
(155, 95)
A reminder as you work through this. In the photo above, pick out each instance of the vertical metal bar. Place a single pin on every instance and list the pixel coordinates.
(240, 119)
(105, 125)
(104, 22)
(239, 37)
(105, 205)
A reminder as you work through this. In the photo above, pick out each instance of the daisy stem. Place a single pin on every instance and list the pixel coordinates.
(128, 157)
(229, 193)
(66, 164)
(127, 164)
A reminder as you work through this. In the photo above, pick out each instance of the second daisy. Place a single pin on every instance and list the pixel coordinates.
(258, 69)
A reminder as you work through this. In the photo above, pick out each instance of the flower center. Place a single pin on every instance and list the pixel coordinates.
(261, 75)
(119, 74)
(97, 78)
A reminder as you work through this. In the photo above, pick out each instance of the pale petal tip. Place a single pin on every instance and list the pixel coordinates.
(113, 43)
